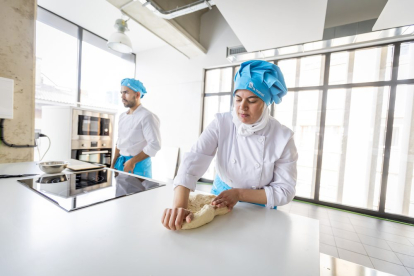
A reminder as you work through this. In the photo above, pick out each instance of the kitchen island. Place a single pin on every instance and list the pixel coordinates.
(125, 236)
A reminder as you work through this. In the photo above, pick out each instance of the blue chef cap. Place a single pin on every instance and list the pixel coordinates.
(135, 85)
(263, 79)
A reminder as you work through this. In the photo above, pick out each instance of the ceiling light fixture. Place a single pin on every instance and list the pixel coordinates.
(119, 41)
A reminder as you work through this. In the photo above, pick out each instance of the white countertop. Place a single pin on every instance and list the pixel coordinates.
(125, 237)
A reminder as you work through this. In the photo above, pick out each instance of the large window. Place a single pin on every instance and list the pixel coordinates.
(74, 67)
(352, 113)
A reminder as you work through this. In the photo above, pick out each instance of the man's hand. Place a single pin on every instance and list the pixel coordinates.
(129, 166)
(227, 199)
(173, 218)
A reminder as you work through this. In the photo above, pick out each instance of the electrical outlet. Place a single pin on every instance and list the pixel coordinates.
(37, 134)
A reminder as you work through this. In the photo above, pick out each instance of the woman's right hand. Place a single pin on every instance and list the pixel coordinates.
(173, 218)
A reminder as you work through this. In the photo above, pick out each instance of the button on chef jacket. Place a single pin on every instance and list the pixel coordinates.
(139, 131)
(265, 160)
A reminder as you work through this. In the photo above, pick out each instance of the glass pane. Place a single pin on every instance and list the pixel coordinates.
(353, 146)
(56, 65)
(400, 184)
(307, 71)
(219, 80)
(365, 65)
(406, 66)
(311, 71)
(300, 111)
(213, 105)
(338, 70)
(288, 68)
(102, 73)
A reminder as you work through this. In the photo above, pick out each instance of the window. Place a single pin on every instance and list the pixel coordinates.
(58, 60)
(353, 142)
(56, 73)
(300, 111)
(102, 72)
(400, 184)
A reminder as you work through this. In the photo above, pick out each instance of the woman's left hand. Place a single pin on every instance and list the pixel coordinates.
(227, 199)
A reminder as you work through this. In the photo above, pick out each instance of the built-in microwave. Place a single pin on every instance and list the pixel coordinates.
(89, 125)
(93, 126)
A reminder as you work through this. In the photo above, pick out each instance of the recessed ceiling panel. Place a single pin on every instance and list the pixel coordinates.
(266, 24)
(396, 13)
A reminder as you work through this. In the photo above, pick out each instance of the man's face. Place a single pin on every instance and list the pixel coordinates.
(129, 97)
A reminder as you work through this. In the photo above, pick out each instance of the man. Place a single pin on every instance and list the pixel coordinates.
(138, 132)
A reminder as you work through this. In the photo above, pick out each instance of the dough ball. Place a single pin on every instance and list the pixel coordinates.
(204, 212)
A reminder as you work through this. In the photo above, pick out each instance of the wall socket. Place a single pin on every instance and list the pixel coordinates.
(37, 134)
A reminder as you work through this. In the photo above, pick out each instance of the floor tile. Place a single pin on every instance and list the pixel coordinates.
(389, 267)
(342, 226)
(382, 254)
(350, 245)
(395, 238)
(299, 212)
(406, 260)
(374, 242)
(352, 236)
(327, 239)
(400, 248)
(325, 229)
(317, 215)
(355, 257)
(367, 231)
(340, 219)
(328, 249)
(324, 221)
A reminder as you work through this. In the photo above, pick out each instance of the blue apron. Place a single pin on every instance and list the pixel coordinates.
(143, 168)
(219, 186)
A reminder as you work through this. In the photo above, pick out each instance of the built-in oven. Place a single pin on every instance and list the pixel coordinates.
(97, 156)
(92, 136)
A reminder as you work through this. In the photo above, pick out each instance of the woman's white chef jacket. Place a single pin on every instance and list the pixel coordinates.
(265, 160)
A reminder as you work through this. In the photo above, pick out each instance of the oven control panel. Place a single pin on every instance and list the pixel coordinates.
(88, 144)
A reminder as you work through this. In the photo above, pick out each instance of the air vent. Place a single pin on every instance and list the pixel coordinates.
(235, 50)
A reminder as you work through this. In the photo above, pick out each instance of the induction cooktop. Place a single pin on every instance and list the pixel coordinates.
(76, 190)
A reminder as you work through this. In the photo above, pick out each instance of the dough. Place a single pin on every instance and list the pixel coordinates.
(204, 212)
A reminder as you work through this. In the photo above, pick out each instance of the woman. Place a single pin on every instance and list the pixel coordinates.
(256, 155)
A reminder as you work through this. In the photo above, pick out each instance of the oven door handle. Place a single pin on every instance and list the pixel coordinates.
(94, 152)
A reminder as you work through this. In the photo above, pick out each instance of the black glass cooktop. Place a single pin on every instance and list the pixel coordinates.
(73, 191)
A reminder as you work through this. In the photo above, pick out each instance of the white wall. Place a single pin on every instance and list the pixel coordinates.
(175, 83)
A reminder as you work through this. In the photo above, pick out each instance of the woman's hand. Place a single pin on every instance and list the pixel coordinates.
(173, 218)
(227, 199)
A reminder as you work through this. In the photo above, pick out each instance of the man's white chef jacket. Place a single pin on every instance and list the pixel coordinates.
(139, 131)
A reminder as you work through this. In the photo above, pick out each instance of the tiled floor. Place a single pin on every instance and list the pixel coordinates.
(374, 243)
(370, 242)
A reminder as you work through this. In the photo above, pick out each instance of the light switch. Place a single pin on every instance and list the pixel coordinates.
(6, 96)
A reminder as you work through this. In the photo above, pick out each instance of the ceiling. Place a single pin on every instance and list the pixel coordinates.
(301, 20)
(98, 16)
(342, 12)
(266, 24)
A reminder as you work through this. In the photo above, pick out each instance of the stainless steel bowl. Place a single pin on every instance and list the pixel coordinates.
(52, 166)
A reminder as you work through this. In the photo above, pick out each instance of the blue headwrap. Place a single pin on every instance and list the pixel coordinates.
(263, 79)
(135, 85)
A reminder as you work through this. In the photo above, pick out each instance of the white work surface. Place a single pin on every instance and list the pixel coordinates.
(125, 237)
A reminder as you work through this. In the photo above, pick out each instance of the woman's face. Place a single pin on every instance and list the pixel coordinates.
(248, 106)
